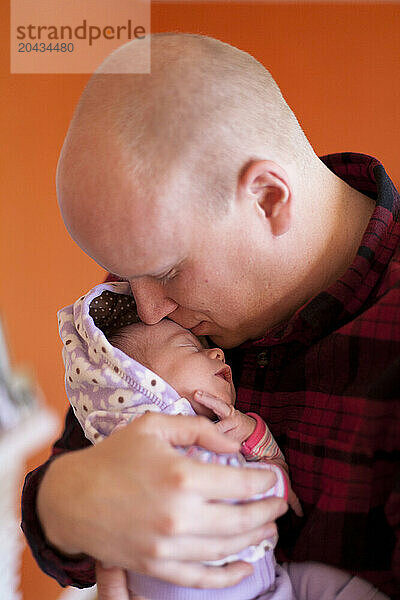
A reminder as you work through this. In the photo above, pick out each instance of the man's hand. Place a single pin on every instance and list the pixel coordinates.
(135, 502)
(239, 427)
(232, 422)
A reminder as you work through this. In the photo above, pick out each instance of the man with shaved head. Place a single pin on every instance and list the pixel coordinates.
(197, 185)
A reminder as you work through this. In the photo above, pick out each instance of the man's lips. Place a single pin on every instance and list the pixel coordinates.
(200, 328)
(225, 373)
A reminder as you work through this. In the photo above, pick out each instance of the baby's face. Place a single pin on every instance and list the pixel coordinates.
(181, 360)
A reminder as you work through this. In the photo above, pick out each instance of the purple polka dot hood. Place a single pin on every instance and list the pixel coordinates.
(105, 387)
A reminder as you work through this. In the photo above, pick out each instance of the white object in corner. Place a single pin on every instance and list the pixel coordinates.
(16, 444)
(75, 594)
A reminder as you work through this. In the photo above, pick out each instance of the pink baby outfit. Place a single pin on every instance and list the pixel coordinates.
(107, 388)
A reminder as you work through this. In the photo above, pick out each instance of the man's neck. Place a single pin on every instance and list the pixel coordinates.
(350, 215)
(331, 221)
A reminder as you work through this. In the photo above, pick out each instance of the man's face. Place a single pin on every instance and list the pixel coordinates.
(181, 360)
(204, 271)
(203, 278)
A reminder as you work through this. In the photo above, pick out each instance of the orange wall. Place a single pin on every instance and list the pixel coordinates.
(337, 64)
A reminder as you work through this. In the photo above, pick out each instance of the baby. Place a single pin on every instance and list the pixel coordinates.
(199, 374)
(117, 369)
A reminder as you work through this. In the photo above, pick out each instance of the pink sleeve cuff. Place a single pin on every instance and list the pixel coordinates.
(257, 435)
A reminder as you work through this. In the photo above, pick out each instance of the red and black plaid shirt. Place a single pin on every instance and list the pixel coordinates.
(327, 382)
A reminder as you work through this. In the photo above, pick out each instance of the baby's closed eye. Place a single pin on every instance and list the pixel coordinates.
(192, 346)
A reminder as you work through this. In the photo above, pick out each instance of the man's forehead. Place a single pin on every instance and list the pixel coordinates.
(128, 226)
(141, 244)
(152, 247)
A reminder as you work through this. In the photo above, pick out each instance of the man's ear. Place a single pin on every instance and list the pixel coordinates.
(268, 184)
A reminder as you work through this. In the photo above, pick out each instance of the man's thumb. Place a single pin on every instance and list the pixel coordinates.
(111, 583)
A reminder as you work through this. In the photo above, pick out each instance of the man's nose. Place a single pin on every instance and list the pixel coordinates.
(151, 301)
(216, 353)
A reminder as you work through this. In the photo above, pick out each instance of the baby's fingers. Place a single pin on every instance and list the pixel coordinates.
(220, 408)
(226, 425)
(294, 504)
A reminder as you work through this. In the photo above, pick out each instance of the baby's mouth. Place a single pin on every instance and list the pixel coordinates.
(225, 373)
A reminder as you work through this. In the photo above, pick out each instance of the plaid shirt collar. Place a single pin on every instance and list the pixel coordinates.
(336, 305)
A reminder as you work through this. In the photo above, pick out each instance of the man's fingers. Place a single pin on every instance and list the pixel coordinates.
(198, 575)
(242, 518)
(219, 482)
(188, 548)
(111, 583)
(182, 430)
(215, 519)
(209, 481)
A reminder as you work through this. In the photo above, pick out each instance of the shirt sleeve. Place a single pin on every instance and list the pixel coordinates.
(78, 572)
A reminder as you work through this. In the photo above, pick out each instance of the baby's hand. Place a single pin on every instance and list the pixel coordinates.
(292, 499)
(294, 502)
(235, 424)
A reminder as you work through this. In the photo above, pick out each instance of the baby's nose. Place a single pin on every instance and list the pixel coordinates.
(216, 353)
